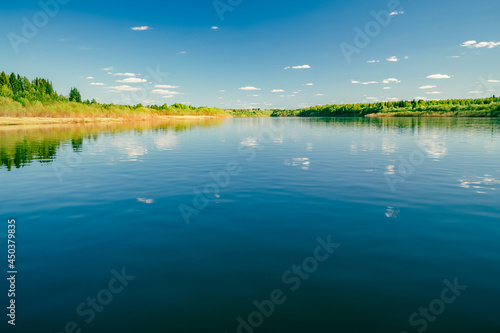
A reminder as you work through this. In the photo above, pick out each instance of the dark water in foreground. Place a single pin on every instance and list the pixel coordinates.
(410, 208)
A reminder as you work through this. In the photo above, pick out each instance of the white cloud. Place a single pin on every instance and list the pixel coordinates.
(387, 88)
(372, 98)
(494, 81)
(309, 84)
(143, 28)
(124, 88)
(222, 91)
(474, 44)
(406, 57)
(427, 87)
(97, 84)
(214, 28)
(439, 76)
(182, 52)
(125, 74)
(107, 69)
(393, 59)
(166, 86)
(455, 57)
(299, 67)
(418, 98)
(319, 95)
(249, 88)
(132, 80)
(475, 92)
(397, 13)
(277, 90)
(89, 77)
(391, 80)
(354, 82)
(433, 92)
(372, 61)
(165, 92)
(369, 82)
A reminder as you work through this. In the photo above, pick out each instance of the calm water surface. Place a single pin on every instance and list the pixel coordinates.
(214, 218)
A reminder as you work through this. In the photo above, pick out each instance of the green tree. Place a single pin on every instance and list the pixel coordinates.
(4, 79)
(75, 96)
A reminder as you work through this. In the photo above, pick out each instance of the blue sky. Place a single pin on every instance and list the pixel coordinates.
(256, 54)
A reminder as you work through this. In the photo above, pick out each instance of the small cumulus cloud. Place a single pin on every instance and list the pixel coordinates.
(214, 28)
(427, 87)
(319, 95)
(97, 84)
(373, 61)
(165, 92)
(107, 69)
(309, 84)
(142, 28)
(249, 88)
(277, 90)
(124, 88)
(166, 86)
(182, 52)
(299, 67)
(391, 80)
(369, 82)
(433, 92)
(132, 80)
(494, 81)
(474, 44)
(439, 76)
(393, 59)
(387, 88)
(397, 13)
(475, 92)
(89, 77)
(125, 74)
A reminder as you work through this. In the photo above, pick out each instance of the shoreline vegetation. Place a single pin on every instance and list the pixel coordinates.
(25, 102)
(483, 107)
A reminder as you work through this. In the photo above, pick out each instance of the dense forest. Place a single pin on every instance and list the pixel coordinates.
(485, 107)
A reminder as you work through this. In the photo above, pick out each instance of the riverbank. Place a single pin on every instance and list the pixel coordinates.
(483, 107)
(22, 121)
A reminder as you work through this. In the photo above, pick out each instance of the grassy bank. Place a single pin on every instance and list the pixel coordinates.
(37, 99)
(486, 107)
